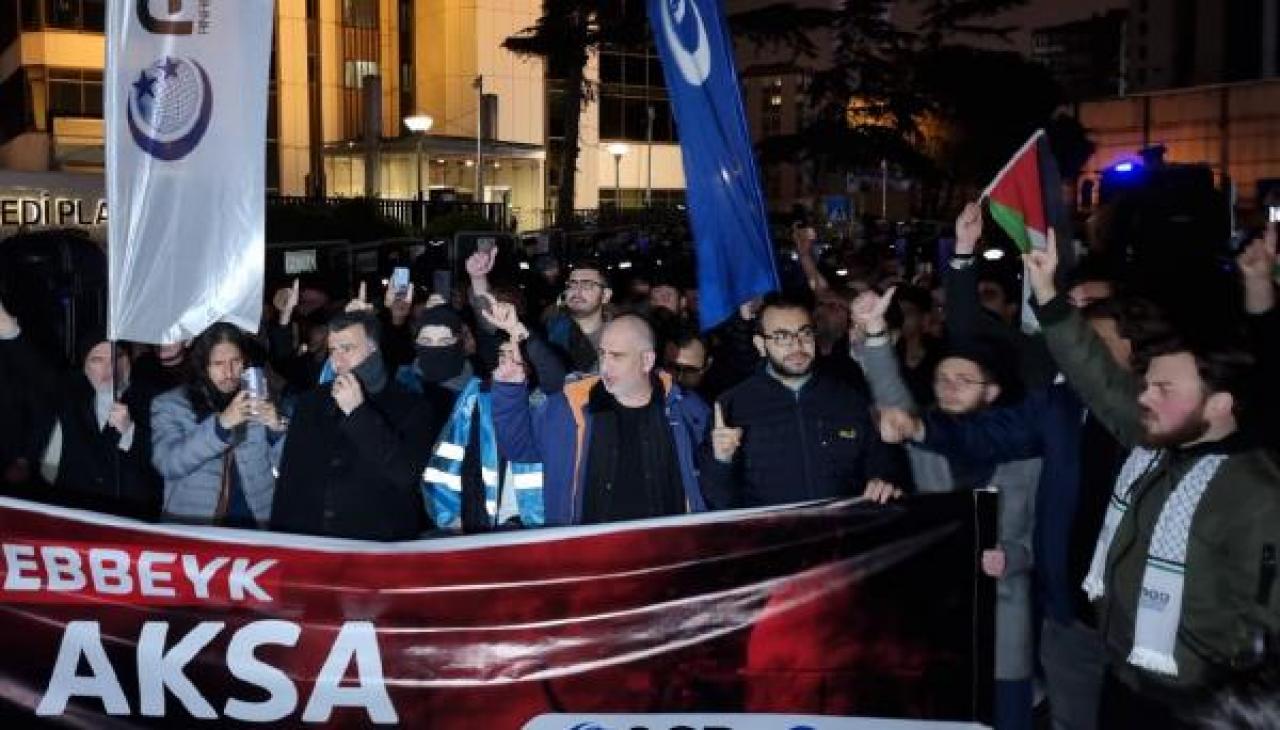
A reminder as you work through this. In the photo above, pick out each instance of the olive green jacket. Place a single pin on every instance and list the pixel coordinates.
(1230, 600)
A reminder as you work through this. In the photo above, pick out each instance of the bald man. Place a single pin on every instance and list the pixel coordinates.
(617, 446)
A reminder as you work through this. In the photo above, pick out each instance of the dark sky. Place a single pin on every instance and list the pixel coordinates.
(1051, 12)
(1039, 13)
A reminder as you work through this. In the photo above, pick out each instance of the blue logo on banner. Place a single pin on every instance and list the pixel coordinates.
(694, 63)
(170, 104)
(735, 258)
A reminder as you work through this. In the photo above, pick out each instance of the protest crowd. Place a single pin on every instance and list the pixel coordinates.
(1135, 459)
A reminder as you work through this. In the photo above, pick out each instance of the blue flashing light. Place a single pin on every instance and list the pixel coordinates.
(1123, 167)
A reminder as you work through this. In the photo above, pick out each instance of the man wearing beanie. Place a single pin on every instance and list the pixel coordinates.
(440, 368)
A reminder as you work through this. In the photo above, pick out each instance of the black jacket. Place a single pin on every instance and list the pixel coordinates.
(356, 476)
(92, 463)
(817, 443)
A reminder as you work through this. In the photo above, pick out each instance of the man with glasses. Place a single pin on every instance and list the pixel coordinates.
(354, 457)
(968, 380)
(688, 360)
(577, 330)
(788, 433)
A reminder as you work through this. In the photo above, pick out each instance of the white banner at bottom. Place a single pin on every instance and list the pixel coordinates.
(732, 721)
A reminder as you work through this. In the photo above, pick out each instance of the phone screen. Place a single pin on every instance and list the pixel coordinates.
(400, 281)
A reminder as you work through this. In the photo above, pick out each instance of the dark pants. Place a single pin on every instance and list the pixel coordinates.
(1124, 708)
(1074, 661)
(1013, 704)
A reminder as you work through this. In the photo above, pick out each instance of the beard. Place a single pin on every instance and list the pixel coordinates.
(1192, 429)
(793, 369)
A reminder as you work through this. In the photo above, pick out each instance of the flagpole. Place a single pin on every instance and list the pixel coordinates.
(987, 193)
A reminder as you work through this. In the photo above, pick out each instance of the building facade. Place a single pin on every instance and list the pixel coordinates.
(1234, 128)
(1179, 43)
(1085, 56)
(345, 74)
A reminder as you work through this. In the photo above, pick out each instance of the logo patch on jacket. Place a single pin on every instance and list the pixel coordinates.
(847, 433)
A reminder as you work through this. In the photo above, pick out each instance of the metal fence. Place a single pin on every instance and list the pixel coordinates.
(414, 214)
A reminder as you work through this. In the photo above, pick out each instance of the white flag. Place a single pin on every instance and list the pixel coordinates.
(186, 119)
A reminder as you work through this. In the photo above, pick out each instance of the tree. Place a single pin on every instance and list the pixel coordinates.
(570, 31)
(564, 37)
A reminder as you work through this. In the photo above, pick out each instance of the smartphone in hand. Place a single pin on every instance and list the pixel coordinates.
(400, 282)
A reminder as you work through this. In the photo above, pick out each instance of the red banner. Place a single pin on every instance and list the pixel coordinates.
(827, 609)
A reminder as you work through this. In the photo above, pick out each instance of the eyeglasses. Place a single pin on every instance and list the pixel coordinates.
(785, 338)
(680, 369)
(582, 285)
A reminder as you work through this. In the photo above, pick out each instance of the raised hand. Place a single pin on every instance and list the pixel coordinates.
(968, 229)
(750, 309)
(1258, 271)
(118, 417)
(725, 441)
(510, 369)
(1042, 264)
(400, 307)
(286, 300)
(803, 237)
(8, 325)
(868, 310)
(898, 426)
(361, 302)
(1258, 259)
(502, 315)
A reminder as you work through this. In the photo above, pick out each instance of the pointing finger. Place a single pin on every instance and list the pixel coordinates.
(719, 417)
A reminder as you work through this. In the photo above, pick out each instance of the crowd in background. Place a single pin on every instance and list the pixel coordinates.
(1135, 459)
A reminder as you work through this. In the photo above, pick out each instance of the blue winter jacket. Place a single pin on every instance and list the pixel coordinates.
(558, 434)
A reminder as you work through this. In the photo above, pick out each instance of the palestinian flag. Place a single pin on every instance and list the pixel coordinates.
(1026, 197)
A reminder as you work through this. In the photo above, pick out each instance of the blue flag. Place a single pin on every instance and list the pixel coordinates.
(726, 207)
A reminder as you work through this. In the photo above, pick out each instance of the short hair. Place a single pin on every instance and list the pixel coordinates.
(686, 336)
(639, 324)
(780, 302)
(347, 320)
(1006, 286)
(1223, 368)
(590, 264)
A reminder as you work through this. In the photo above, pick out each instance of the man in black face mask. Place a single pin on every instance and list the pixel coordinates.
(356, 448)
(440, 368)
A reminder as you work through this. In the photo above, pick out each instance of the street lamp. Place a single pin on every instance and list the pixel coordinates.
(419, 124)
(617, 149)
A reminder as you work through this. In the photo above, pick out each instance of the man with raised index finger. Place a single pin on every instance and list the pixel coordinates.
(789, 433)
